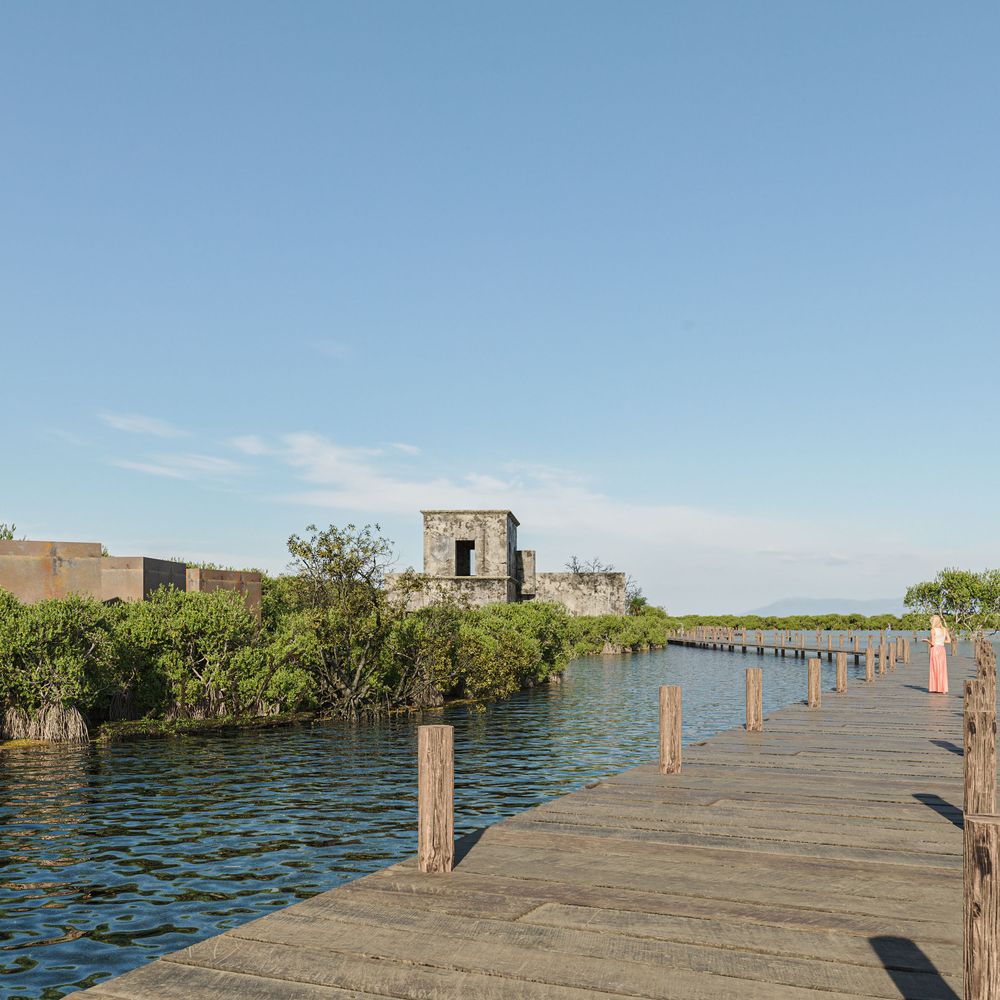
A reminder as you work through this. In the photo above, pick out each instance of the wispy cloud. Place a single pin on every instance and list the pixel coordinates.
(251, 444)
(150, 468)
(330, 348)
(688, 556)
(407, 449)
(555, 500)
(185, 466)
(134, 423)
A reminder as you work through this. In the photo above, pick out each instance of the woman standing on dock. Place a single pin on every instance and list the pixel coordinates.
(938, 681)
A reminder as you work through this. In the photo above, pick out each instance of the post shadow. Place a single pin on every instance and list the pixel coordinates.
(951, 747)
(912, 972)
(941, 807)
(466, 842)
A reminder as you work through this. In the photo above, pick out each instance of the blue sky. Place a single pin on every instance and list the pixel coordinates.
(707, 289)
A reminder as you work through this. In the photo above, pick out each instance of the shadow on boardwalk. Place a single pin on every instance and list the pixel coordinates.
(913, 973)
(942, 807)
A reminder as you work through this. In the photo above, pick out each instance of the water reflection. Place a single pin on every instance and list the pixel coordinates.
(114, 855)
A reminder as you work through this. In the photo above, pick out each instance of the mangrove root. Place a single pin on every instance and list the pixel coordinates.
(52, 722)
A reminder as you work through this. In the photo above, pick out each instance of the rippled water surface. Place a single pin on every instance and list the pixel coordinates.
(111, 856)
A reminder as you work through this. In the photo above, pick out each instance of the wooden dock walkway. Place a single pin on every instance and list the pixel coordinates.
(816, 860)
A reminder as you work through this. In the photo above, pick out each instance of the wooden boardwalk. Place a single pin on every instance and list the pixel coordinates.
(819, 859)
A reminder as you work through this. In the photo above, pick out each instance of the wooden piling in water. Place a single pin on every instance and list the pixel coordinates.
(982, 906)
(670, 729)
(841, 672)
(980, 751)
(436, 799)
(815, 680)
(755, 700)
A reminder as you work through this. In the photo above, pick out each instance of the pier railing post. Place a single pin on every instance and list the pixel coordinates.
(815, 679)
(987, 675)
(869, 665)
(982, 906)
(881, 659)
(436, 798)
(841, 672)
(670, 729)
(980, 751)
(755, 700)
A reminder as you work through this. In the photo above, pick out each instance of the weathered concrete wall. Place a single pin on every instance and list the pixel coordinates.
(493, 531)
(478, 591)
(209, 580)
(583, 593)
(134, 578)
(37, 571)
(504, 573)
(526, 571)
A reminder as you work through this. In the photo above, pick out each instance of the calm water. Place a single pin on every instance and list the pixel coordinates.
(111, 856)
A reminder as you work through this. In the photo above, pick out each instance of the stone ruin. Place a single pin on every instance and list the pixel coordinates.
(473, 554)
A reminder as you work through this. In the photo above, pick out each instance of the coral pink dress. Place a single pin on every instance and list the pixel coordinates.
(938, 683)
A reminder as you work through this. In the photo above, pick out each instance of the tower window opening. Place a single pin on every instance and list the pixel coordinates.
(465, 557)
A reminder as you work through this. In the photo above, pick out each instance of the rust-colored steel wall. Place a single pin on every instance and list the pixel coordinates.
(37, 571)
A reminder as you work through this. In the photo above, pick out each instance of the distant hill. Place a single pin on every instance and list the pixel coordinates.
(830, 606)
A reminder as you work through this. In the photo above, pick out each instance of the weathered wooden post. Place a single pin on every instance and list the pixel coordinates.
(436, 795)
(841, 672)
(755, 700)
(841, 640)
(980, 751)
(906, 650)
(881, 659)
(982, 906)
(900, 641)
(857, 644)
(815, 678)
(670, 729)
(987, 676)
(892, 657)
(869, 665)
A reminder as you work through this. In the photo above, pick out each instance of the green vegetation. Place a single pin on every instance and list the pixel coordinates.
(332, 641)
(966, 600)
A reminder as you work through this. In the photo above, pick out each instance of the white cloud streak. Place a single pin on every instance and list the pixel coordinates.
(134, 423)
(189, 466)
(689, 557)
